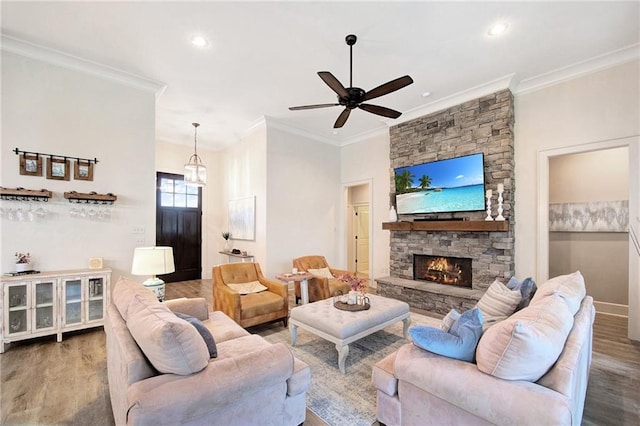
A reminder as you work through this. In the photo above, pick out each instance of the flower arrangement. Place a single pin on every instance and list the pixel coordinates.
(356, 283)
(23, 257)
(226, 235)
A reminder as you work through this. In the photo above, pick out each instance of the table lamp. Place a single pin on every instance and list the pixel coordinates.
(153, 261)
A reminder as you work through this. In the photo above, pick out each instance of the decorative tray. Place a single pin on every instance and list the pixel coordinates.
(347, 307)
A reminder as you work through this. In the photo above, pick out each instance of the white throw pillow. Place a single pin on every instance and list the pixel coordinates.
(526, 345)
(570, 287)
(246, 288)
(499, 301)
(322, 273)
(449, 319)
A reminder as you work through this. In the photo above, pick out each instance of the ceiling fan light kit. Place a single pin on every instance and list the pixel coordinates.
(353, 97)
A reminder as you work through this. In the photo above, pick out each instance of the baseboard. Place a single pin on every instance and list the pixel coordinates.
(611, 309)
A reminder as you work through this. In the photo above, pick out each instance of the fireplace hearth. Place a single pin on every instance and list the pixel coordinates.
(447, 270)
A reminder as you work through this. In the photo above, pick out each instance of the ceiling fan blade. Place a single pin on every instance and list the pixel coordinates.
(333, 82)
(342, 118)
(296, 108)
(380, 110)
(388, 87)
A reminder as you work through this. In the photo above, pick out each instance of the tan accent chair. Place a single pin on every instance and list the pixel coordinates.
(319, 288)
(249, 309)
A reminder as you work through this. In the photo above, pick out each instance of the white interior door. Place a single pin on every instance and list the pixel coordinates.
(361, 230)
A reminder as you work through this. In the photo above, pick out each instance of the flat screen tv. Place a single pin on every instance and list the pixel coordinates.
(453, 185)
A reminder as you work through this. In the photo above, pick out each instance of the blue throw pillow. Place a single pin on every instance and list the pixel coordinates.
(459, 343)
(527, 289)
(204, 332)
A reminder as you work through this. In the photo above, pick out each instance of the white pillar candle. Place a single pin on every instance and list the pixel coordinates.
(500, 187)
(489, 193)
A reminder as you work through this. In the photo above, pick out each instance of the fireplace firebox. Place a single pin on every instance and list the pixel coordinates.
(446, 270)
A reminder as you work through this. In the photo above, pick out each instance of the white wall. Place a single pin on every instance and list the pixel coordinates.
(368, 160)
(51, 109)
(243, 173)
(171, 158)
(303, 190)
(596, 107)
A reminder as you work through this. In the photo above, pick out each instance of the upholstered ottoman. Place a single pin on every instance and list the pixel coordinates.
(343, 327)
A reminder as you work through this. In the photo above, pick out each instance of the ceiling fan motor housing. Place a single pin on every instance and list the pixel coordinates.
(356, 96)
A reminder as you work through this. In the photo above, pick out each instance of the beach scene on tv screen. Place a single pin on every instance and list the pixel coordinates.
(452, 185)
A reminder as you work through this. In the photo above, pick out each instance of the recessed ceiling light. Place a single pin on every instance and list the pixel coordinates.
(498, 28)
(199, 41)
(425, 94)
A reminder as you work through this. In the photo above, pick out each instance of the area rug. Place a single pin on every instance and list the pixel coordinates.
(343, 399)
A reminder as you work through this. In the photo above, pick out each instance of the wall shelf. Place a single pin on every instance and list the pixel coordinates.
(21, 194)
(449, 225)
(92, 197)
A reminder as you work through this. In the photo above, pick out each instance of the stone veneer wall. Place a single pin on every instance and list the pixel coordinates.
(481, 125)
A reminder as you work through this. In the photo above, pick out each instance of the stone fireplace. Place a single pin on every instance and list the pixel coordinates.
(481, 125)
(446, 270)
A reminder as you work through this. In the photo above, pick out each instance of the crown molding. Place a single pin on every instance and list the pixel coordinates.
(276, 124)
(55, 57)
(369, 134)
(455, 99)
(569, 72)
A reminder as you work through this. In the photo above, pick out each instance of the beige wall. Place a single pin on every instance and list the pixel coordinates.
(303, 196)
(603, 257)
(51, 109)
(590, 176)
(368, 160)
(597, 107)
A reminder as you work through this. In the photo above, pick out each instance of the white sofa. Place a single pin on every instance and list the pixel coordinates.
(417, 387)
(249, 382)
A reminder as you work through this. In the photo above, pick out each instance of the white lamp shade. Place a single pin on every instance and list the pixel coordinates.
(153, 261)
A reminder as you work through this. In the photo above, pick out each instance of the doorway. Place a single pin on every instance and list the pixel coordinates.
(179, 225)
(361, 239)
(358, 228)
(633, 144)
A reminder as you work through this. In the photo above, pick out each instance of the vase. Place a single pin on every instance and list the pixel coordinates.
(21, 267)
(227, 246)
(352, 297)
(393, 215)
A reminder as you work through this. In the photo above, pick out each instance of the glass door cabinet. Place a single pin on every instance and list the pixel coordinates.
(51, 303)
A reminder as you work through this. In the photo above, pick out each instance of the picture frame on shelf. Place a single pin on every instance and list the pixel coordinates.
(83, 170)
(30, 165)
(58, 168)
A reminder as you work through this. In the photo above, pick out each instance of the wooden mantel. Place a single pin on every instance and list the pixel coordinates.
(449, 225)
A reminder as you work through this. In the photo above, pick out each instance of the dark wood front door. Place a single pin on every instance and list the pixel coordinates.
(179, 225)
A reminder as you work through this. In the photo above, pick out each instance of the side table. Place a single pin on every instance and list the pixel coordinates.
(301, 277)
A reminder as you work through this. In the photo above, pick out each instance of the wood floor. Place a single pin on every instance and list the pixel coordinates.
(44, 382)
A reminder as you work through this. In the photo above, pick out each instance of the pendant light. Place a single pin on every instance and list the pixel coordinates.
(195, 173)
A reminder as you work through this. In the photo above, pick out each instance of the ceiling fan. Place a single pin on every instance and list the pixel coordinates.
(353, 97)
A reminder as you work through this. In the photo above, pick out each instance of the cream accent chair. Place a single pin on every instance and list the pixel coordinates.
(319, 288)
(249, 309)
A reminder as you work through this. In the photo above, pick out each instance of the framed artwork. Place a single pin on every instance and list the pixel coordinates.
(58, 168)
(83, 170)
(30, 165)
(242, 218)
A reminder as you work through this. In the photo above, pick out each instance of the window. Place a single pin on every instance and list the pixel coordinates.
(174, 193)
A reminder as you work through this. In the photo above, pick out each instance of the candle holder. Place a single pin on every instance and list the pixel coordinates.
(489, 193)
(500, 191)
